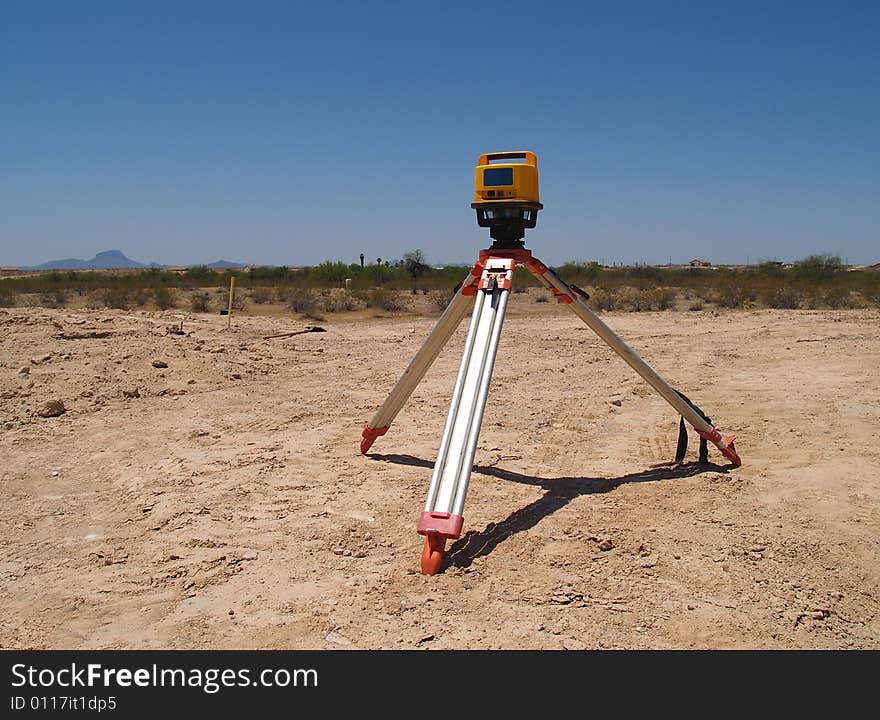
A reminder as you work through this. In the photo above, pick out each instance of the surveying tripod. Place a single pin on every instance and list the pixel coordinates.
(507, 202)
(488, 288)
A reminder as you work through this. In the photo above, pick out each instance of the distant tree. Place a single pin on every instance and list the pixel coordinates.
(415, 265)
(817, 268)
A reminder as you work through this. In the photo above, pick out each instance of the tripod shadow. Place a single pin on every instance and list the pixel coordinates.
(558, 493)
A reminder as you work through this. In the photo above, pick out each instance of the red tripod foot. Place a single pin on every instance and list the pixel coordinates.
(369, 436)
(730, 451)
(432, 554)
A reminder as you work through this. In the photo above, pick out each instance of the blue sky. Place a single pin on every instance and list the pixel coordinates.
(290, 133)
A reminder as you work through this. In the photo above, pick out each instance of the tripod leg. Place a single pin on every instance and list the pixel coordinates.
(418, 366)
(564, 293)
(442, 516)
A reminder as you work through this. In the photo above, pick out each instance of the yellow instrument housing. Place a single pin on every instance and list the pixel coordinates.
(505, 182)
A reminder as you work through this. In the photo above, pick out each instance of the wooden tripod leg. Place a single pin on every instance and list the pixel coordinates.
(565, 294)
(424, 358)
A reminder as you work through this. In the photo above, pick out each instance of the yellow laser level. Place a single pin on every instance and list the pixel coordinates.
(506, 195)
(506, 181)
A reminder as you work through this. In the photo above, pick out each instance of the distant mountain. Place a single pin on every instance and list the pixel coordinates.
(116, 259)
(108, 260)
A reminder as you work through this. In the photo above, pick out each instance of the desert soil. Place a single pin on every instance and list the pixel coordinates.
(221, 501)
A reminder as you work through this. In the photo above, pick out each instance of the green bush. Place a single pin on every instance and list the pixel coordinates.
(817, 268)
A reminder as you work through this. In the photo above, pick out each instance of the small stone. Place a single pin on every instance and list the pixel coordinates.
(41, 359)
(232, 612)
(618, 403)
(249, 555)
(359, 554)
(55, 473)
(334, 638)
(52, 408)
(691, 607)
(131, 393)
(606, 544)
(236, 376)
(24, 370)
(160, 364)
(648, 562)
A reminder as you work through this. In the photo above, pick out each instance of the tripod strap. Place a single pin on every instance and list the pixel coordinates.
(681, 449)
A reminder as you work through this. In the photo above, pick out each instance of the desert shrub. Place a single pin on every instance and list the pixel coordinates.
(636, 300)
(696, 305)
(116, 297)
(303, 301)
(817, 268)
(440, 298)
(338, 302)
(781, 297)
(663, 298)
(542, 298)
(732, 295)
(7, 295)
(163, 297)
(602, 299)
(200, 302)
(55, 298)
(385, 299)
(261, 294)
(200, 274)
(239, 299)
(139, 297)
(333, 273)
(838, 298)
(769, 269)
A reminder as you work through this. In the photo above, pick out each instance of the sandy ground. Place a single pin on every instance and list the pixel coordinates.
(226, 504)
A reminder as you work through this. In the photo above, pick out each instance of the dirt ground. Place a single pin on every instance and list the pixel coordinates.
(221, 501)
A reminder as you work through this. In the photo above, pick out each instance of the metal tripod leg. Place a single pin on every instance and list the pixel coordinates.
(564, 292)
(418, 366)
(442, 516)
